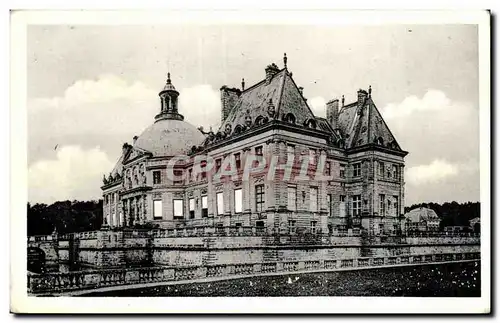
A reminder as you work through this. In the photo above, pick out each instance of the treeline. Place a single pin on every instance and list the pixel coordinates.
(65, 216)
(452, 213)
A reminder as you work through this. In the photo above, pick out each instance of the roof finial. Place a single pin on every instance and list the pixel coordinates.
(369, 91)
(243, 84)
(285, 59)
(343, 100)
(168, 78)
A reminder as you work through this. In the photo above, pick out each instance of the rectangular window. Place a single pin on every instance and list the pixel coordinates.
(396, 206)
(237, 158)
(395, 171)
(329, 204)
(388, 172)
(290, 152)
(156, 177)
(258, 156)
(356, 170)
(328, 168)
(381, 207)
(238, 200)
(203, 165)
(312, 156)
(157, 210)
(220, 203)
(291, 226)
(342, 171)
(191, 208)
(218, 163)
(313, 227)
(259, 198)
(190, 174)
(292, 198)
(342, 210)
(178, 177)
(356, 205)
(313, 198)
(178, 208)
(381, 169)
(204, 206)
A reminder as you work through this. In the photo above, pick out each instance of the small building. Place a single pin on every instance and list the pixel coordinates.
(475, 224)
(421, 220)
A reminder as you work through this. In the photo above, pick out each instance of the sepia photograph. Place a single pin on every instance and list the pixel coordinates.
(237, 157)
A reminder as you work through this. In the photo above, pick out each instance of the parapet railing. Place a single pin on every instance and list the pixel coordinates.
(54, 283)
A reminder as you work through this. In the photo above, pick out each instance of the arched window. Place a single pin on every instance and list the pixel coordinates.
(259, 121)
(310, 123)
(238, 129)
(289, 117)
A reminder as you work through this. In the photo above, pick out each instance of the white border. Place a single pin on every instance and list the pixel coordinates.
(21, 303)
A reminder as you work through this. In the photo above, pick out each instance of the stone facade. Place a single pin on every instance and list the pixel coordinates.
(352, 148)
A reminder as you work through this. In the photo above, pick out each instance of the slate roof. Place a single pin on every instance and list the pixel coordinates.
(254, 102)
(363, 124)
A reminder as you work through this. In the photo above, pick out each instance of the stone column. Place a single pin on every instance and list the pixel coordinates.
(246, 185)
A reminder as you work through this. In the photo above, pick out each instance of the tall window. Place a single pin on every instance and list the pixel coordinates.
(356, 170)
(329, 204)
(291, 226)
(342, 210)
(313, 199)
(237, 158)
(238, 201)
(203, 165)
(204, 206)
(381, 169)
(156, 177)
(177, 176)
(395, 171)
(312, 156)
(290, 152)
(218, 163)
(388, 173)
(220, 203)
(178, 208)
(396, 205)
(157, 210)
(258, 156)
(313, 227)
(328, 168)
(381, 207)
(259, 198)
(191, 208)
(342, 171)
(356, 205)
(292, 198)
(190, 174)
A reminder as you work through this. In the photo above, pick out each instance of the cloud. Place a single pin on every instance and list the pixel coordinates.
(74, 174)
(318, 106)
(104, 113)
(442, 138)
(432, 100)
(201, 106)
(430, 173)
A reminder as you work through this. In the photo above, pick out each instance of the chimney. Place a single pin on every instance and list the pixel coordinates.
(125, 148)
(271, 70)
(228, 98)
(362, 95)
(332, 112)
(135, 139)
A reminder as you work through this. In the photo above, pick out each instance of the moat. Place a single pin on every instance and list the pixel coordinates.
(443, 280)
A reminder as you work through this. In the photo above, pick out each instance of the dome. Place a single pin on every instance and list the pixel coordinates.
(421, 214)
(169, 137)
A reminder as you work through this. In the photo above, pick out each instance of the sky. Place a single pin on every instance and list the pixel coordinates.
(92, 88)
